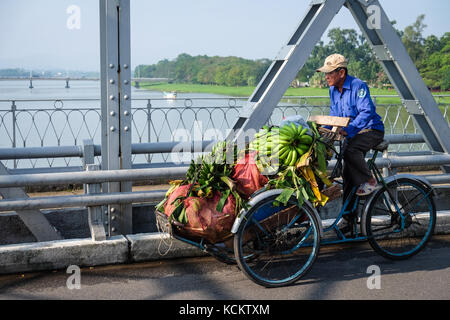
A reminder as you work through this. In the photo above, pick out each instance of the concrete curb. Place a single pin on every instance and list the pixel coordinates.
(157, 246)
(442, 222)
(60, 254)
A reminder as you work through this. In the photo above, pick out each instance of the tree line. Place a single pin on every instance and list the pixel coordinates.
(226, 71)
(431, 55)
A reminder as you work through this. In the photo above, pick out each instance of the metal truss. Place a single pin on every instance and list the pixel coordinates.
(115, 81)
(388, 49)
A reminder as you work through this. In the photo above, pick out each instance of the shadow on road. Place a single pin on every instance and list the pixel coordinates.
(206, 278)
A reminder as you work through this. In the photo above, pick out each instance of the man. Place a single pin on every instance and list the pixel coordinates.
(350, 97)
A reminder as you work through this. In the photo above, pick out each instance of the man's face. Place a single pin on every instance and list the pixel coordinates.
(335, 77)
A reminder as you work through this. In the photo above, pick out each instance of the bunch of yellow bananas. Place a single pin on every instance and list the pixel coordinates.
(293, 143)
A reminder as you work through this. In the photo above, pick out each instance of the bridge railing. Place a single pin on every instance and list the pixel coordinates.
(52, 130)
(62, 125)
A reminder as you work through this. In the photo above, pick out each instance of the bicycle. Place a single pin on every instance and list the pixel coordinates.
(275, 245)
(283, 242)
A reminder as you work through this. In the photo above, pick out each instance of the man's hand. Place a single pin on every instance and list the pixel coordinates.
(342, 132)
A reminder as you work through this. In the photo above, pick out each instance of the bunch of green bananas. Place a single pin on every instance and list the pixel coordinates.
(267, 147)
(266, 141)
(293, 143)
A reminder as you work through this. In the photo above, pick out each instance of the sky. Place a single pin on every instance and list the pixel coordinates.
(42, 34)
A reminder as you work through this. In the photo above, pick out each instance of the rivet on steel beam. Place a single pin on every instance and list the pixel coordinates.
(112, 129)
(111, 81)
(125, 97)
(111, 65)
(126, 128)
(125, 66)
(112, 210)
(125, 81)
(113, 229)
(126, 113)
(113, 217)
(111, 97)
(112, 113)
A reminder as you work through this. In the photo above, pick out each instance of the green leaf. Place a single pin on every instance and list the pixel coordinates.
(183, 217)
(230, 183)
(160, 206)
(313, 127)
(323, 176)
(299, 198)
(285, 195)
(320, 150)
(177, 199)
(178, 211)
(222, 200)
(305, 193)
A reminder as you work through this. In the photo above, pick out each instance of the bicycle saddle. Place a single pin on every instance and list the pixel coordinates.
(381, 146)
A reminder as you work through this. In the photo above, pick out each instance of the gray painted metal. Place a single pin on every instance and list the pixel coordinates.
(388, 48)
(437, 178)
(283, 70)
(124, 220)
(408, 161)
(122, 197)
(116, 103)
(33, 219)
(95, 213)
(81, 151)
(91, 176)
(168, 172)
(88, 152)
(427, 160)
(146, 148)
(404, 138)
(82, 200)
(40, 152)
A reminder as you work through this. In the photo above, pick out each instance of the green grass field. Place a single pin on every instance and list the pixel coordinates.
(247, 91)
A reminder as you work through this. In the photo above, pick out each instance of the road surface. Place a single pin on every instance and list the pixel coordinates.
(344, 272)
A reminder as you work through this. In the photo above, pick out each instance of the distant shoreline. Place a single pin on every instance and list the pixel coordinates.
(246, 91)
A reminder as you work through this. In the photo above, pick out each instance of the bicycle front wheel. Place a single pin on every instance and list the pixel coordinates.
(283, 242)
(400, 219)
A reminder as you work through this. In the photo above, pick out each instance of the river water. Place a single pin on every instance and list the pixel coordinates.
(51, 115)
(79, 89)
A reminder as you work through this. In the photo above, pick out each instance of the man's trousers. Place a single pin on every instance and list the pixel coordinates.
(356, 170)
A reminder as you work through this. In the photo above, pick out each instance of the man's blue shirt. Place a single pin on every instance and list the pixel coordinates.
(355, 102)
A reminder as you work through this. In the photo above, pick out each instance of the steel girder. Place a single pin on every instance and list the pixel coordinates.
(388, 49)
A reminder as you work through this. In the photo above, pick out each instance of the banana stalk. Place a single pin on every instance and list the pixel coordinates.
(308, 174)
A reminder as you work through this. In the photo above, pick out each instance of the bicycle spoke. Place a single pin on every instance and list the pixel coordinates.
(400, 233)
(278, 244)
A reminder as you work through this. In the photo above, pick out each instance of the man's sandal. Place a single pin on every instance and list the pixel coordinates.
(366, 189)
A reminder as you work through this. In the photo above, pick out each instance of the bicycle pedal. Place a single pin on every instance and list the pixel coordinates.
(344, 232)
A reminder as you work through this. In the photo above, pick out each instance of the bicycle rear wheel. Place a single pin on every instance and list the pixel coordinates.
(400, 219)
(283, 242)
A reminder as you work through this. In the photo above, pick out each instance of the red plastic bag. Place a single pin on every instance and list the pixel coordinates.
(180, 191)
(247, 175)
(204, 221)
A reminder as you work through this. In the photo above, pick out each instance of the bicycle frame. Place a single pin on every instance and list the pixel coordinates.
(341, 238)
(389, 199)
(373, 168)
(380, 180)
